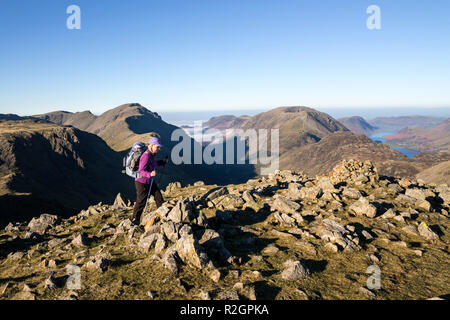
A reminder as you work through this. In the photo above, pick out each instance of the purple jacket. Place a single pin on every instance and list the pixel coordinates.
(147, 164)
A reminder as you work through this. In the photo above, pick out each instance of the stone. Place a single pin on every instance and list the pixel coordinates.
(416, 194)
(204, 295)
(170, 230)
(209, 196)
(271, 249)
(160, 244)
(331, 231)
(169, 259)
(410, 229)
(390, 213)
(215, 275)
(405, 198)
(17, 255)
(149, 219)
(424, 204)
(363, 207)
(119, 203)
(228, 201)
(294, 270)
(151, 294)
(80, 240)
(445, 196)
(50, 283)
(395, 188)
(351, 193)
(326, 185)
(191, 252)
(228, 295)
(426, 232)
(331, 247)
(213, 243)
(367, 293)
(285, 205)
(42, 224)
(99, 263)
(311, 193)
(146, 241)
(25, 295)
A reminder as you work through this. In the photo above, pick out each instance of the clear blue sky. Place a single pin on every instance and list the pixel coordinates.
(222, 54)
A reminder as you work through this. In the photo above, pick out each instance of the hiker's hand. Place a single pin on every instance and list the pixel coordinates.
(153, 173)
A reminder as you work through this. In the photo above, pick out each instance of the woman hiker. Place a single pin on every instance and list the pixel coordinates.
(147, 170)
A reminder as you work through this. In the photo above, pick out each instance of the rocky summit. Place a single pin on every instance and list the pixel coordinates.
(283, 236)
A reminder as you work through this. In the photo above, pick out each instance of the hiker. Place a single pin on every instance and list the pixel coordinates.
(147, 171)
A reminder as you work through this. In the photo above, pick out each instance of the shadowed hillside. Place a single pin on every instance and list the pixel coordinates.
(50, 168)
(358, 125)
(124, 125)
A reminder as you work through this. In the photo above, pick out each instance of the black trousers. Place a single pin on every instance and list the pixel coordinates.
(141, 198)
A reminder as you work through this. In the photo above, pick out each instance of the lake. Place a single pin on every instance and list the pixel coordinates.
(378, 138)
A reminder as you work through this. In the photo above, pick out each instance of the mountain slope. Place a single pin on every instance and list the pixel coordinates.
(428, 140)
(438, 174)
(397, 123)
(226, 122)
(48, 167)
(358, 125)
(320, 157)
(124, 125)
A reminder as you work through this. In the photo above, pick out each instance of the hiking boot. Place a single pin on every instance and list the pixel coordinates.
(135, 222)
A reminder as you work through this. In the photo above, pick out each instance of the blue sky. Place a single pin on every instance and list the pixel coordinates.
(185, 55)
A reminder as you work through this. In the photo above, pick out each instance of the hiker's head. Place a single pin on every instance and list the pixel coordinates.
(154, 145)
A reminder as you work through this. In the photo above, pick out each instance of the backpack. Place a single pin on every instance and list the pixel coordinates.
(131, 161)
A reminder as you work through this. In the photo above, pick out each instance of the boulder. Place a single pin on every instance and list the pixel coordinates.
(119, 203)
(214, 245)
(169, 259)
(363, 207)
(43, 223)
(99, 263)
(331, 231)
(416, 194)
(294, 270)
(426, 232)
(80, 240)
(191, 252)
(146, 241)
(285, 205)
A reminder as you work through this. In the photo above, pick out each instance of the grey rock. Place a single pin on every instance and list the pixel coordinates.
(363, 207)
(294, 270)
(331, 231)
(426, 232)
(147, 241)
(80, 240)
(99, 263)
(228, 295)
(285, 205)
(42, 224)
(169, 259)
